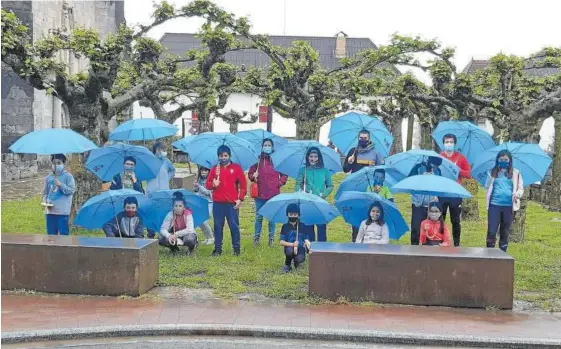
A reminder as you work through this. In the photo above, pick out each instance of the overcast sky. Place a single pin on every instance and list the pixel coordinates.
(476, 28)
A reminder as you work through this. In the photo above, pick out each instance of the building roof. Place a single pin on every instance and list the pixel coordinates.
(474, 65)
(179, 43)
(477, 64)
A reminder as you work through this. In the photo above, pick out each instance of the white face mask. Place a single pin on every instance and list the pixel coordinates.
(163, 154)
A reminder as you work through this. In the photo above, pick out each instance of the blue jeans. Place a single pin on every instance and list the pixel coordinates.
(222, 212)
(502, 216)
(259, 221)
(321, 230)
(57, 224)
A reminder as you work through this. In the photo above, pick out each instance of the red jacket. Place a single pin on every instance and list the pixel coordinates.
(460, 161)
(269, 180)
(233, 185)
(430, 230)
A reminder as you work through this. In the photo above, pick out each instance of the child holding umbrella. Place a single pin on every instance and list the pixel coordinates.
(434, 231)
(294, 238)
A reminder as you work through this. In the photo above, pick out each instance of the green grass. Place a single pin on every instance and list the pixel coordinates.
(258, 270)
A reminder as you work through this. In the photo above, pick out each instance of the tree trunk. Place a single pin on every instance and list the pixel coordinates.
(410, 126)
(519, 224)
(470, 207)
(307, 129)
(395, 129)
(233, 127)
(426, 139)
(556, 178)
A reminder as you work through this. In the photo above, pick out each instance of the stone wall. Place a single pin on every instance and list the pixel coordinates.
(18, 166)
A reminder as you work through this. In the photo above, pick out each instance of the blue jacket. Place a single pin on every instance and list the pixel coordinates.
(288, 233)
(117, 184)
(60, 197)
(128, 227)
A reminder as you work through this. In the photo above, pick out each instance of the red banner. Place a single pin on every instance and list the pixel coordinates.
(263, 113)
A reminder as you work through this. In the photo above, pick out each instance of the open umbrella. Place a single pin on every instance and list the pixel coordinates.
(431, 185)
(161, 202)
(143, 130)
(52, 141)
(344, 132)
(529, 159)
(406, 161)
(108, 161)
(354, 207)
(472, 140)
(202, 149)
(361, 180)
(256, 138)
(313, 209)
(292, 157)
(183, 143)
(101, 208)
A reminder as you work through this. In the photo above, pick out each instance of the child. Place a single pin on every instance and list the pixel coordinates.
(294, 238)
(57, 196)
(419, 202)
(374, 230)
(315, 179)
(199, 188)
(434, 231)
(229, 186)
(177, 228)
(127, 224)
(378, 186)
(505, 189)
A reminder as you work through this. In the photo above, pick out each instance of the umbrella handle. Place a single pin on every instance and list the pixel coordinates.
(118, 227)
(296, 247)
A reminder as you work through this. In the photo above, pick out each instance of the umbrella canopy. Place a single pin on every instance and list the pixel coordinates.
(203, 149)
(313, 209)
(101, 208)
(256, 137)
(361, 180)
(52, 141)
(344, 132)
(292, 157)
(183, 143)
(471, 139)
(161, 202)
(354, 206)
(432, 186)
(108, 161)
(143, 130)
(406, 161)
(529, 159)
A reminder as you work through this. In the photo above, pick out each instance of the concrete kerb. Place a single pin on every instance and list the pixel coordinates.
(374, 337)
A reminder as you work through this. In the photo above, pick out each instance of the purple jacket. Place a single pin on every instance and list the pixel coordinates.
(269, 181)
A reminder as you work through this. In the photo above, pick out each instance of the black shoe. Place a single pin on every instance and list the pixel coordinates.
(174, 249)
(236, 253)
(216, 253)
(271, 241)
(190, 251)
(255, 242)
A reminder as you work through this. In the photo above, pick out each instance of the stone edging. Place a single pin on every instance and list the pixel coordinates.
(379, 337)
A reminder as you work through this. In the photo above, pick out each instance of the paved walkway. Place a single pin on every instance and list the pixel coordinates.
(34, 312)
(24, 188)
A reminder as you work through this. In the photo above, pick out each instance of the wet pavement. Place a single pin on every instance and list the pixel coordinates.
(37, 311)
(23, 189)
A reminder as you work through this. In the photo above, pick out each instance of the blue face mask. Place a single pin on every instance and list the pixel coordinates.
(504, 164)
(378, 181)
(267, 149)
(59, 168)
(449, 147)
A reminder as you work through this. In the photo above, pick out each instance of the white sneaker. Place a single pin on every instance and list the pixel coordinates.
(209, 241)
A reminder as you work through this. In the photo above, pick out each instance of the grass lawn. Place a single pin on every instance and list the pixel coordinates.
(258, 270)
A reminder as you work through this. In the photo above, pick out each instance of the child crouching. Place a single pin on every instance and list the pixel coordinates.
(294, 237)
(434, 231)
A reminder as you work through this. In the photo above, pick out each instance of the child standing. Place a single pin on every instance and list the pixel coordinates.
(434, 231)
(374, 230)
(199, 188)
(57, 196)
(294, 238)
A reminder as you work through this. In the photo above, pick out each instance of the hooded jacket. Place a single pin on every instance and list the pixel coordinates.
(269, 181)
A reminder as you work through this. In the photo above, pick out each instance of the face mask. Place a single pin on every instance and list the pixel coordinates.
(448, 147)
(267, 149)
(130, 213)
(178, 211)
(363, 143)
(224, 161)
(434, 216)
(378, 181)
(59, 168)
(163, 154)
(504, 164)
(129, 168)
(293, 219)
(374, 216)
(204, 175)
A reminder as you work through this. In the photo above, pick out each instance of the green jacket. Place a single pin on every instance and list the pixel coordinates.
(318, 181)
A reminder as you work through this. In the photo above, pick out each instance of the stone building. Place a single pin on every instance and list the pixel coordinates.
(25, 109)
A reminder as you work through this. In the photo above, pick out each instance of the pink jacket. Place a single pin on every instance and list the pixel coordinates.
(269, 181)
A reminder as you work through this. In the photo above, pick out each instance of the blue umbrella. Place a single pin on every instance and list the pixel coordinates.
(292, 157)
(529, 159)
(471, 139)
(143, 130)
(183, 143)
(344, 132)
(202, 149)
(360, 180)
(101, 208)
(161, 202)
(431, 185)
(406, 161)
(52, 141)
(354, 207)
(313, 209)
(108, 161)
(256, 138)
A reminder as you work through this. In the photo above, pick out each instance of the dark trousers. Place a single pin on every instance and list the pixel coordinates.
(499, 220)
(354, 234)
(418, 214)
(223, 212)
(57, 224)
(190, 241)
(321, 230)
(297, 258)
(151, 233)
(455, 206)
